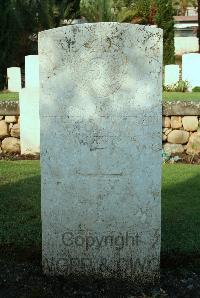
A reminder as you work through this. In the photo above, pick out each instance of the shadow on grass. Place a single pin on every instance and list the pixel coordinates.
(20, 217)
(181, 223)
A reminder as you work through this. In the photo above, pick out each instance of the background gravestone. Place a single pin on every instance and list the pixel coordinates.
(100, 111)
(29, 121)
(191, 69)
(14, 79)
(171, 74)
(29, 108)
(32, 71)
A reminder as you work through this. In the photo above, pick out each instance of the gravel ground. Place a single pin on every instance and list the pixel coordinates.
(25, 279)
(6, 156)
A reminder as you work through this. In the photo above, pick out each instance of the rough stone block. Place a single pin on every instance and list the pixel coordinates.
(178, 137)
(190, 123)
(176, 122)
(10, 119)
(166, 122)
(173, 148)
(193, 146)
(4, 132)
(11, 145)
(15, 131)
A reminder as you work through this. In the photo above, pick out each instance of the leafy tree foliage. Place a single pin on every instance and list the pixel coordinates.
(164, 20)
(159, 12)
(181, 6)
(97, 10)
(21, 20)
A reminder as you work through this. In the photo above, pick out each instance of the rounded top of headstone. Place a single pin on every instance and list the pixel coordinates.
(13, 68)
(86, 25)
(31, 57)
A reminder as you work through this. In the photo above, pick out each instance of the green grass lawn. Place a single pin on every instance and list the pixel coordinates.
(175, 96)
(20, 207)
(167, 96)
(9, 96)
(20, 204)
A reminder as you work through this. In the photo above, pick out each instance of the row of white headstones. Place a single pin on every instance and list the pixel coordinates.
(29, 103)
(190, 71)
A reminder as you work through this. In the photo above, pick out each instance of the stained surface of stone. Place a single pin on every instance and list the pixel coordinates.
(101, 140)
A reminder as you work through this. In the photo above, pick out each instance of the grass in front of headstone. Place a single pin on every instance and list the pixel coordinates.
(180, 215)
(20, 228)
(9, 95)
(20, 219)
(181, 96)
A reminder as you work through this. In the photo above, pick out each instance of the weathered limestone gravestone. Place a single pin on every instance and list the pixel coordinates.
(191, 69)
(171, 74)
(32, 71)
(100, 109)
(14, 79)
(29, 108)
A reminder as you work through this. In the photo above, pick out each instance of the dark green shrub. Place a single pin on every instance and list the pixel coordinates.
(196, 89)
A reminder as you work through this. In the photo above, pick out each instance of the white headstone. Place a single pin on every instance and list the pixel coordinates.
(14, 79)
(29, 121)
(191, 69)
(171, 74)
(100, 112)
(32, 71)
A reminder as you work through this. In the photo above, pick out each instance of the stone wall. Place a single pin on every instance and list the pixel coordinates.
(181, 121)
(9, 127)
(181, 127)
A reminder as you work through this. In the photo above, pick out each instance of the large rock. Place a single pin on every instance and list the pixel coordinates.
(166, 122)
(193, 146)
(173, 148)
(11, 145)
(4, 131)
(10, 119)
(176, 122)
(190, 123)
(178, 137)
(15, 131)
